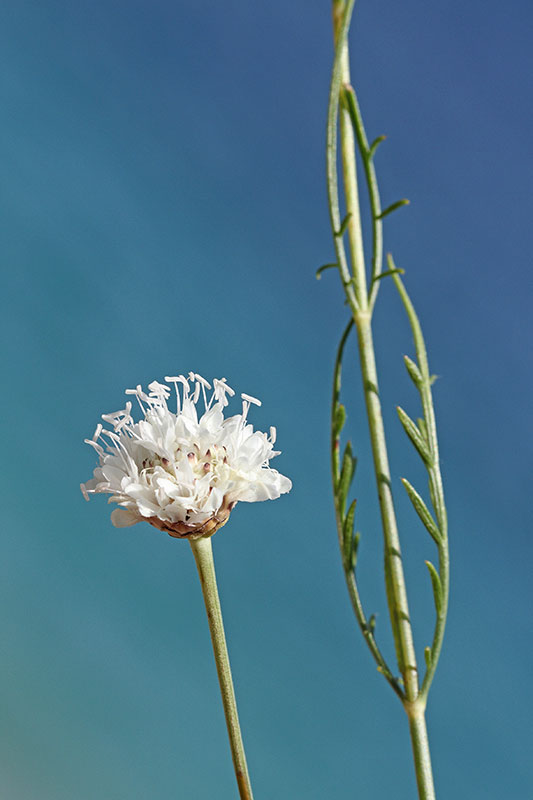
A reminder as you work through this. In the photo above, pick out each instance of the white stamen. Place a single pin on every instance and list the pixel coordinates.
(202, 381)
(98, 447)
(250, 399)
(186, 388)
(159, 390)
(229, 390)
(175, 381)
(137, 392)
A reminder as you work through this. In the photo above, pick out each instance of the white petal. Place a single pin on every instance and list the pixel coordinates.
(122, 518)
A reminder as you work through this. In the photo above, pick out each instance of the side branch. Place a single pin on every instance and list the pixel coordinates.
(348, 542)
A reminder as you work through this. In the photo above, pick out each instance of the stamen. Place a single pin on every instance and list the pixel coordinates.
(250, 399)
(159, 391)
(229, 390)
(98, 447)
(205, 385)
(175, 381)
(137, 392)
(220, 391)
(202, 381)
(186, 388)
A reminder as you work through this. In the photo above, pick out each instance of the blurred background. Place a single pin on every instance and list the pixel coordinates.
(163, 209)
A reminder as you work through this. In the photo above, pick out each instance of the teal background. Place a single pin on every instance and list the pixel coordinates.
(163, 209)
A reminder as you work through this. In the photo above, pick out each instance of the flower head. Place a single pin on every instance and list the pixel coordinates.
(180, 472)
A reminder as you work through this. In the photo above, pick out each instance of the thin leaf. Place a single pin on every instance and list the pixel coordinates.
(388, 272)
(347, 473)
(320, 270)
(339, 420)
(347, 532)
(374, 146)
(415, 436)
(344, 225)
(413, 370)
(422, 511)
(393, 207)
(355, 547)
(437, 587)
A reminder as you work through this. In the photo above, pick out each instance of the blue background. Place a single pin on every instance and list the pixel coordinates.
(163, 209)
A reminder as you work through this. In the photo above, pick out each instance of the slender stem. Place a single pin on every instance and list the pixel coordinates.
(203, 555)
(394, 575)
(340, 24)
(435, 482)
(349, 166)
(421, 754)
(395, 581)
(367, 155)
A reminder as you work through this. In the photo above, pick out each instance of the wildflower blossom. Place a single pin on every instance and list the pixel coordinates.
(180, 472)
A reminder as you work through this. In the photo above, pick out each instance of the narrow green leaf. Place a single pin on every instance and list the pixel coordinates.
(355, 548)
(427, 656)
(324, 267)
(343, 226)
(422, 511)
(415, 436)
(339, 420)
(413, 370)
(347, 473)
(432, 379)
(337, 374)
(374, 146)
(396, 271)
(347, 532)
(437, 587)
(393, 207)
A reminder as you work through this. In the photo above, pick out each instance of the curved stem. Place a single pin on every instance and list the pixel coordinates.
(341, 22)
(367, 155)
(203, 555)
(347, 563)
(435, 481)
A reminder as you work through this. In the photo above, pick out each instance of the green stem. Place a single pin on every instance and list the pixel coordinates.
(435, 482)
(362, 315)
(421, 754)
(203, 555)
(348, 562)
(395, 581)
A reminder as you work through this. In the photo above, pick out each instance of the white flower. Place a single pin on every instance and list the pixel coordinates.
(182, 474)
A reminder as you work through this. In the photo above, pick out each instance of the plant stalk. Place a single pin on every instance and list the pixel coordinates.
(203, 555)
(394, 574)
(421, 754)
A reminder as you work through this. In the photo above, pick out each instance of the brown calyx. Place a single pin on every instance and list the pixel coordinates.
(184, 530)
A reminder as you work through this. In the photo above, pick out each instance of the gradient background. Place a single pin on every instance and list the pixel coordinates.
(163, 208)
